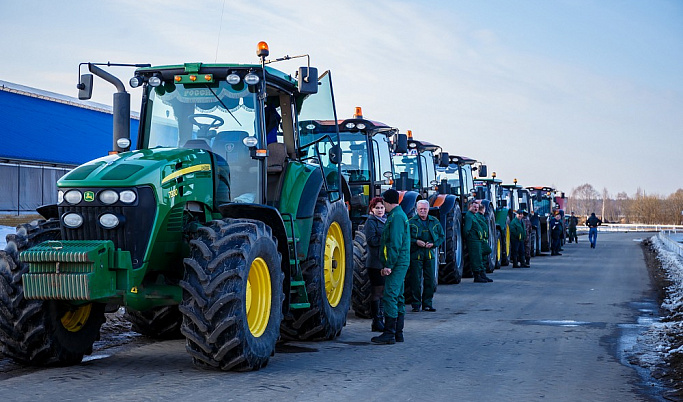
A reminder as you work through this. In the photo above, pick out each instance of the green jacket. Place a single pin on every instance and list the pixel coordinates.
(473, 230)
(395, 243)
(432, 233)
(517, 230)
(481, 219)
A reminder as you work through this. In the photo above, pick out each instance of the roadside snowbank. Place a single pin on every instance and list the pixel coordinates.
(4, 231)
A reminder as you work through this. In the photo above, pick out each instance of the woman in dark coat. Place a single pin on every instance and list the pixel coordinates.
(373, 234)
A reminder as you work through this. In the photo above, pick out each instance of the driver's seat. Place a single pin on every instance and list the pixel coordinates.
(197, 144)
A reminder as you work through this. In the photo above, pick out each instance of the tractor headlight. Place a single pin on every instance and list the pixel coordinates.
(250, 141)
(109, 221)
(360, 126)
(154, 81)
(72, 220)
(136, 81)
(123, 142)
(251, 79)
(128, 196)
(233, 79)
(60, 197)
(73, 196)
(109, 197)
(350, 125)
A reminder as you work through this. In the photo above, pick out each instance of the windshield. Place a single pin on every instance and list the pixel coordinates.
(452, 177)
(406, 166)
(355, 164)
(217, 118)
(428, 170)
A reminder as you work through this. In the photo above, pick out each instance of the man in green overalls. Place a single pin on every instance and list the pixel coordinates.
(473, 236)
(394, 250)
(426, 235)
(485, 247)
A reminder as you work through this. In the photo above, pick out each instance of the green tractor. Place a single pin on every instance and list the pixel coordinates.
(415, 164)
(488, 190)
(221, 227)
(367, 168)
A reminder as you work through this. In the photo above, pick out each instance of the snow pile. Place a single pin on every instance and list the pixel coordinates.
(665, 338)
(4, 231)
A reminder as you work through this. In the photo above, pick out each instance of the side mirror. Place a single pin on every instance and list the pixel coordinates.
(85, 87)
(401, 144)
(335, 154)
(308, 80)
(444, 160)
(482, 171)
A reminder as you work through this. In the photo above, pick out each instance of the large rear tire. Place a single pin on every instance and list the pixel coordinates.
(232, 295)
(328, 276)
(160, 322)
(362, 288)
(492, 239)
(451, 271)
(39, 332)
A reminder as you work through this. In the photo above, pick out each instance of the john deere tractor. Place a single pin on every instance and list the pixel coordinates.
(367, 168)
(488, 190)
(227, 224)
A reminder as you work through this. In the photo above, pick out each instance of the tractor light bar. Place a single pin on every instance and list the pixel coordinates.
(251, 79)
(193, 79)
(233, 79)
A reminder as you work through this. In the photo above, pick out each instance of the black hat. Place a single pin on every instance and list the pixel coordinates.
(521, 211)
(390, 196)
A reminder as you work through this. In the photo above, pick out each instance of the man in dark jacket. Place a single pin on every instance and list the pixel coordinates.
(555, 234)
(535, 233)
(517, 236)
(593, 222)
(426, 235)
(395, 257)
(527, 239)
(571, 228)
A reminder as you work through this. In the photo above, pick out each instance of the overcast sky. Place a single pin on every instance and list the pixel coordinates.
(559, 93)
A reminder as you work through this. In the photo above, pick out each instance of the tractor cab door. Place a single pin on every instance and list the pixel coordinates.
(319, 135)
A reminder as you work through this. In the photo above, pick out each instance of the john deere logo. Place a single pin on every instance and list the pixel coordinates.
(89, 196)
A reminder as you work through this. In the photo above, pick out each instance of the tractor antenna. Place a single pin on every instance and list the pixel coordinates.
(220, 28)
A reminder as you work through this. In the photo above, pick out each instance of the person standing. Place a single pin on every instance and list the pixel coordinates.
(473, 237)
(394, 255)
(555, 234)
(373, 235)
(535, 235)
(571, 228)
(426, 235)
(485, 247)
(527, 239)
(517, 235)
(593, 222)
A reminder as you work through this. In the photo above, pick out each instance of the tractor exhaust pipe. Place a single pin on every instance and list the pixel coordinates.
(121, 110)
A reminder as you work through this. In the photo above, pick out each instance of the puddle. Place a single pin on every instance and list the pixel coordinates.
(561, 323)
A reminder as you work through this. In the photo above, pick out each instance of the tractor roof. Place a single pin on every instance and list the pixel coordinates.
(488, 179)
(422, 145)
(540, 188)
(461, 160)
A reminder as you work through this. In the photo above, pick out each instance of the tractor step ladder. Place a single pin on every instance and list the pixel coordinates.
(297, 286)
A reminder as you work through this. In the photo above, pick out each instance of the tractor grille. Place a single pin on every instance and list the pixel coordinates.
(131, 235)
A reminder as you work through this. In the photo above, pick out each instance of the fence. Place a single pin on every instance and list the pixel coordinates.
(25, 187)
(672, 241)
(633, 227)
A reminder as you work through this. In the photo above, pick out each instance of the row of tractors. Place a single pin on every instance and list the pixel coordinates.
(232, 223)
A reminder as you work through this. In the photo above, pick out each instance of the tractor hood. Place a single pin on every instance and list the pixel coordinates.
(147, 166)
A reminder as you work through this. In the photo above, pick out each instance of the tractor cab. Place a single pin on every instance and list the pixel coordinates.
(458, 178)
(416, 168)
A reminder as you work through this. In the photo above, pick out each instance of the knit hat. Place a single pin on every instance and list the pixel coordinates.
(390, 196)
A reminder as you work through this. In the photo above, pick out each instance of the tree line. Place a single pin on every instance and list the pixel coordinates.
(642, 208)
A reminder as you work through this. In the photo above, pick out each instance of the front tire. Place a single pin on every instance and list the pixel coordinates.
(232, 295)
(327, 274)
(39, 332)
(159, 323)
(361, 295)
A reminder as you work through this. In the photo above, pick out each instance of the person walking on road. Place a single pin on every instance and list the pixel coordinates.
(593, 222)
(373, 235)
(571, 228)
(555, 234)
(426, 235)
(394, 255)
(527, 239)
(517, 235)
(473, 237)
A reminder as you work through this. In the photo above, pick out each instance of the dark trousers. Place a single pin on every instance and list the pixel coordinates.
(420, 283)
(517, 251)
(556, 245)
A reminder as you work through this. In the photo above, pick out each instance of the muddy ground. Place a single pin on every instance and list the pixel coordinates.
(669, 371)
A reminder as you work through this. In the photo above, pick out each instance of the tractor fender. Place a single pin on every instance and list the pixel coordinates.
(408, 200)
(271, 217)
(49, 211)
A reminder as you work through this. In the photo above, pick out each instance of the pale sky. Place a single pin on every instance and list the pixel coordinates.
(551, 92)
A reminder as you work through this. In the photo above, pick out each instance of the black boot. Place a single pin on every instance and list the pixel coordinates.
(486, 278)
(400, 320)
(478, 277)
(377, 323)
(388, 337)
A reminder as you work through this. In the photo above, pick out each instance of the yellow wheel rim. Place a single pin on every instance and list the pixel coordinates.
(507, 241)
(74, 321)
(259, 297)
(335, 264)
(499, 249)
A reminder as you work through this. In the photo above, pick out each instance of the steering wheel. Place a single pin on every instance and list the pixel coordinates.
(205, 127)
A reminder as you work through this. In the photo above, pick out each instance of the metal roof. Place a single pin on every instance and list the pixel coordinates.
(46, 127)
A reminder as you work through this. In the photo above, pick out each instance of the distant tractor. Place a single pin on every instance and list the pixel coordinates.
(544, 205)
(223, 226)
